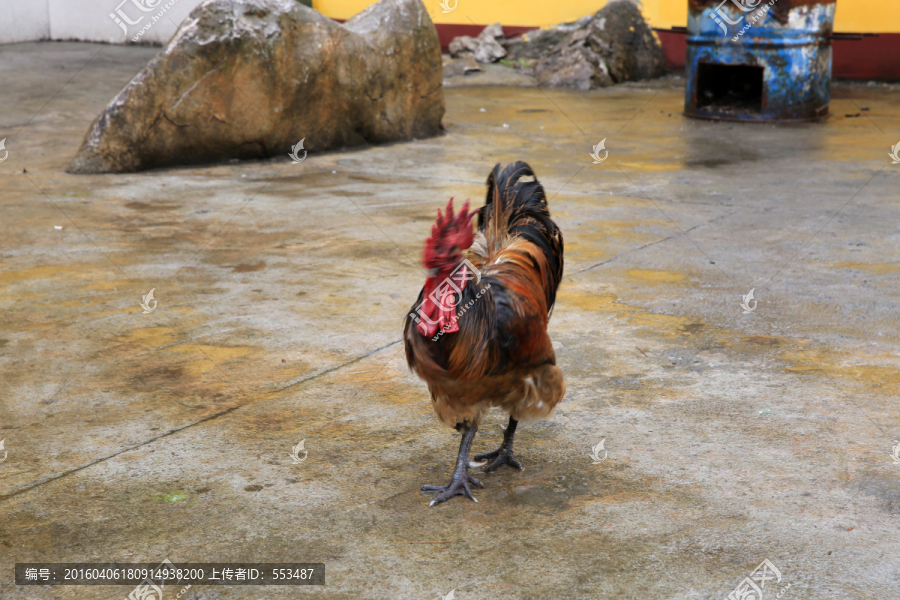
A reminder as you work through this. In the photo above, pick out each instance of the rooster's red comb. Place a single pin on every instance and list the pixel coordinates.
(450, 230)
(450, 222)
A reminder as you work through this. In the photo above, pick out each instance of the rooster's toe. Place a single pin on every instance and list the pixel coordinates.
(500, 457)
(457, 487)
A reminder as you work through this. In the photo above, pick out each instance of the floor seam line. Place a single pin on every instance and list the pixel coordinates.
(222, 413)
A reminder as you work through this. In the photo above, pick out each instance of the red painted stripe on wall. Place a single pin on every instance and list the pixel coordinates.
(873, 57)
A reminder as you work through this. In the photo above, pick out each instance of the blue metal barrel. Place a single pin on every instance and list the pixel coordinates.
(759, 60)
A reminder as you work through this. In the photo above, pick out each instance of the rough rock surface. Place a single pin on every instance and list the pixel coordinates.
(250, 78)
(463, 45)
(611, 46)
(541, 42)
(485, 48)
(464, 65)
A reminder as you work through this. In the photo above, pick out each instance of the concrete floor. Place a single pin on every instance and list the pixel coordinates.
(731, 437)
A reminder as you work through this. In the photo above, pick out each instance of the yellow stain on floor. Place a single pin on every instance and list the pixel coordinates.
(650, 167)
(207, 357)
(220, 354)
(841, 365)
(595, 302)
(885, 268)
(601, 229)
(667, 325)
(587, 251)
(106, 286)
(601, 301)
(650, 276)
(51, 272)
(387, 389)
(151, 337)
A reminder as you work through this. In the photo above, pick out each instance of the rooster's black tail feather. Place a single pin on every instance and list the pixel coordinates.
(516, 208)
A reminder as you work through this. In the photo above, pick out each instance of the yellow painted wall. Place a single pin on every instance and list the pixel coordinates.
(851, 15)
(531, 13)
(857, 16)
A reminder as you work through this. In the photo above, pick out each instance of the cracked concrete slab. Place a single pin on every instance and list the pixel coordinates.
(732, 437)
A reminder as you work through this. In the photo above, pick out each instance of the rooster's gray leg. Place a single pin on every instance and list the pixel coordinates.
(504, 454)
(459, 485)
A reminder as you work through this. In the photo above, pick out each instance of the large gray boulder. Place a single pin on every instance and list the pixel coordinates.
(251, 78)
(611, 46)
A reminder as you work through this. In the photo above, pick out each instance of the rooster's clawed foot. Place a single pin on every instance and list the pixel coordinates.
(504, 454)
(500, 456)
(457, 487)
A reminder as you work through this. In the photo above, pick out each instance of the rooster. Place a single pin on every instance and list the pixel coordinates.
(477, 334)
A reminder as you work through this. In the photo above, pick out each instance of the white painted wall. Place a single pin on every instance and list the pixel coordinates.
(89, 20)
(24, 20)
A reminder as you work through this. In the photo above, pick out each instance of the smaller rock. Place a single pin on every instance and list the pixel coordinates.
(489, 51)
(462, 45)
(464, 65)
(494, 32)
(484, 48)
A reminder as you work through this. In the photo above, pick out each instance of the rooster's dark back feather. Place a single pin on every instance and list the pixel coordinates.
(516, 208)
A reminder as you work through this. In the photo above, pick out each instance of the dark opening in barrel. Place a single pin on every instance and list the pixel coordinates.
(730, 87)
